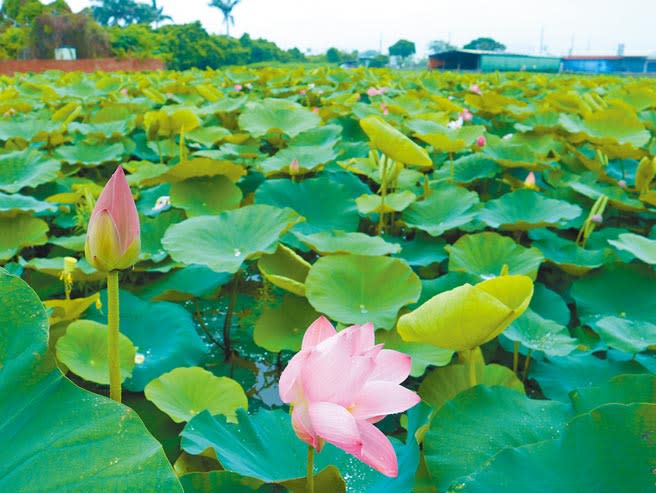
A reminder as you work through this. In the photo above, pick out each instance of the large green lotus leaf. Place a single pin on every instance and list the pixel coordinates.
(43, 445)
(639, 246)
(185, 392)
(356, 289)
(285, 269)
(74, 243)
(394, 202)
(27, 168)
(580, 459)
(261, 117)
(327, 135)
(207, 136)
(525, 209)
(566, 254)
(12, 205)
(630, 336)
(163, 333)
(468, 431)
(206, 195)
(541, 334)
(83, 349)
(307, 157)
(467, 169)
(446, 139)
(616, 125)
(550, 305)
(224, 242)
(20, 231)
(341, 242)
(194, 281)
(326, 204)
(619, 291)
(152, 232)
(589, 186)
(195, 168)
(252, 448)
(420, 251)
(485, 254)
(468, 316)
(446, 208)
(27, 130)
(54, 266)
(511, 154)
(622, 389)
(117, 128)
(558, 375)
(91, 154)
(443, 384)
(282, 326)
(423, 355)
(393, 143)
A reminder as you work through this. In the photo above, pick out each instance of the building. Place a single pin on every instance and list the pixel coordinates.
(609, 64)
(492, 61)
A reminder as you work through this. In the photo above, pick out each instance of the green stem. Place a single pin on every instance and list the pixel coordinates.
(383, 194)
(310, 469)
(471, 367)
(227, 322)
(112, 336)
(527, 362)
(453, 168)
(515, 356)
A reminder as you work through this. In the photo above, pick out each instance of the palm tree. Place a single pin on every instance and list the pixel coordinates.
(226, 6)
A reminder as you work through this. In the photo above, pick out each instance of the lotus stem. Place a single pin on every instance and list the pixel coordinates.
(227, 322)
(383, 194)
(310, 469)
(515, 356)
(527, 362)
(112, 336)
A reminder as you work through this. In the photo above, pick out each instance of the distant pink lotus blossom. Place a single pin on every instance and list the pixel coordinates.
(529, 182)
(480, 141)
(455, 124)
(315, 110)
(113, 239)
(124, 91)
(302, 92)
(294, 167)
(466, 115)
(372, 91)
(384, 108)
(622, 183)
(597, 218)
(238, 87)
(475, 89)
(340, 384)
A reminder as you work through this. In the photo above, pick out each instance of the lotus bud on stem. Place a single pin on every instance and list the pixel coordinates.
(67, 275)
(113, 243)
(594, 217)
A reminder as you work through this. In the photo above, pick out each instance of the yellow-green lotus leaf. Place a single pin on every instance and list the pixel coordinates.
(393, 143)
(285, 269)
(468, 316)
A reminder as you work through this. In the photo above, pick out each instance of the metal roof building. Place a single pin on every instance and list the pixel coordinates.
(609, 64)
(490, 61)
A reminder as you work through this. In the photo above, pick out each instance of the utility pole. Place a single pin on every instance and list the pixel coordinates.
(541, 40)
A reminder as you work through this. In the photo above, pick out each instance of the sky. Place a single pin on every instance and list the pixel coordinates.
(582, 26)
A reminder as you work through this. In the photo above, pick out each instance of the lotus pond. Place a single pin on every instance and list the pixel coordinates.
(498, 229)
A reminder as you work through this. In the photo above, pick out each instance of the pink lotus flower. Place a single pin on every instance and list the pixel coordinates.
(384, 108)
(621, 183)
(529, 182)
(466, 115)
(597, 218)
(124, 91)
(372, 91)
(340, 384)
(238, 87)
(315, 110)
(113, 235)
(480, 141)
(302, 92)
(294, 167)
(475, 89)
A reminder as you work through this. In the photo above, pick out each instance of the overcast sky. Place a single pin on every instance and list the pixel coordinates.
(589, 26)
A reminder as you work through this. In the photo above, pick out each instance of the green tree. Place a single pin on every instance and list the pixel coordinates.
(402, 48)
(333, 55)
(486, 44)
(125, 12)
(439, 46)
(226, 7)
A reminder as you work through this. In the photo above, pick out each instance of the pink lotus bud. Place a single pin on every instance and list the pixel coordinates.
(113, 235)
(372, 91)
(302, 92)
(238, 87)
(597, 218)
(529, 182)
(475, 89)
(621, 183)
(341, 411)
(124, 91)
(466, 115)
(315, 110)
(480, 141)
(294, 167)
